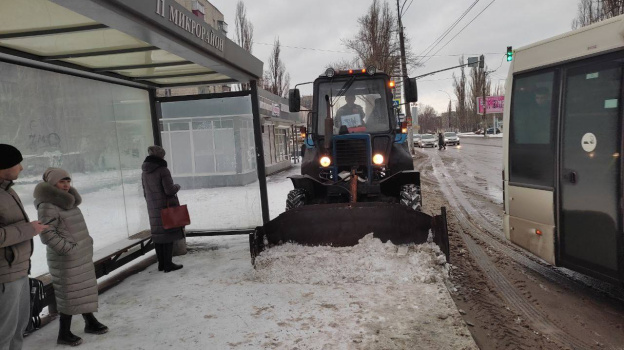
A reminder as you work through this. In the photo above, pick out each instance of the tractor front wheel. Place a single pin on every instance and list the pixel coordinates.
(410, 197)
(296, 198)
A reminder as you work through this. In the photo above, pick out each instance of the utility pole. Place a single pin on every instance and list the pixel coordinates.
(482, 66)
(408, 112)
(484, 104)
(449, 117)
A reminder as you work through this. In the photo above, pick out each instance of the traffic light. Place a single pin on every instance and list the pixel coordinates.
(509, 54)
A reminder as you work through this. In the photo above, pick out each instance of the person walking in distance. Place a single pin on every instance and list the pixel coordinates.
(69, 253)
(441, 142)
(16, 247)
(159, 192)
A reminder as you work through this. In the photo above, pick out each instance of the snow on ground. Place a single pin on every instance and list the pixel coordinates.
(370, 296)
(113, 212)
(472, 134)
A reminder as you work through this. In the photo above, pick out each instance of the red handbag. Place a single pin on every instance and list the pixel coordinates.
(173, 217)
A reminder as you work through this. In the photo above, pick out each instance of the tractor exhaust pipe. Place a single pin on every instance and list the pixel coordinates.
(329, 125)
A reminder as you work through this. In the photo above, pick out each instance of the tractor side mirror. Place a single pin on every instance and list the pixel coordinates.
(411, 90)
(294, 100)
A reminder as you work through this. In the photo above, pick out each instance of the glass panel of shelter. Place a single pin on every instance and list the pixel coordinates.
(101, 141)
(214, 161)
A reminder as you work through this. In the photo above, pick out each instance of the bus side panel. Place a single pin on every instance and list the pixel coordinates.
(536, 208)
(522, 233)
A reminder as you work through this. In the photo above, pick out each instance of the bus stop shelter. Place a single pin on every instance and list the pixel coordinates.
(78, 82)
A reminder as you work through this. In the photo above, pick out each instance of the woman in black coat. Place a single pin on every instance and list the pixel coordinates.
(159, 190)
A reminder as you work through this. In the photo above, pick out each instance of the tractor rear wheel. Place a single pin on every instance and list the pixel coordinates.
(296, 198)
(410, 197)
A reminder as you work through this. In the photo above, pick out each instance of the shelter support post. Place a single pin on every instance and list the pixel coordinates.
(255, 110)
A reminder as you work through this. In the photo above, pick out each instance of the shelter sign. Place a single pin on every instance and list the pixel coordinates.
(495, 104)
(198, 28)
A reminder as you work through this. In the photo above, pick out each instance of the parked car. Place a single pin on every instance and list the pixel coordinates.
(416, 139)
(490, 131)
(451, 138)
(428, 140)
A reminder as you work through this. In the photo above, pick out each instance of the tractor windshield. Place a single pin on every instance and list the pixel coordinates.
(359, 104)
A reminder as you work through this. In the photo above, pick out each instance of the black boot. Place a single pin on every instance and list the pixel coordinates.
(168, 253)
(92, 325)
(159, 256)
(66, 337)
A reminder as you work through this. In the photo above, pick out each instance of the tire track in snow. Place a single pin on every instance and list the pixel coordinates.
(568, 278)
(508, 292)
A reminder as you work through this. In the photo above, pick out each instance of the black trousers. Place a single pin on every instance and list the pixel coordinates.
(164, 254)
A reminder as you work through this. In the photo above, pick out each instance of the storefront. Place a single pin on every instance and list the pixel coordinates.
(77, 90)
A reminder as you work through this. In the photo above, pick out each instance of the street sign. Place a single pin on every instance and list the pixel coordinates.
(396, 103)
(275, 112)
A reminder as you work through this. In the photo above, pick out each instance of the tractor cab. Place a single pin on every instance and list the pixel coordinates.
(355, 106)
(353, 128)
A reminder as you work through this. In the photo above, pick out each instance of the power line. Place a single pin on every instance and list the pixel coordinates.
(304, 48)
(446, 32)
(432, 46)
(419, 81)
(464, 28)
(408, 6)
(463, 54)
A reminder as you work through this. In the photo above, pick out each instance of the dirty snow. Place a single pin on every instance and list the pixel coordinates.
(369, 262)
(370, 296)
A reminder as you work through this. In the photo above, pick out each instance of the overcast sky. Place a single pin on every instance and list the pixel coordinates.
(311, 33)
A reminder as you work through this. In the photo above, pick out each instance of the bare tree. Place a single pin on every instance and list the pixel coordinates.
(244, 28)
(459, 86)
(276, 79)
(478, 81)
(376, 43)
(592, 11)
(428, 120)
(244, 32)
(306, 101)
(344, 64)
(499, 90)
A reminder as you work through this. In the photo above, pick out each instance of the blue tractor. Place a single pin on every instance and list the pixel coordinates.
(357, 174)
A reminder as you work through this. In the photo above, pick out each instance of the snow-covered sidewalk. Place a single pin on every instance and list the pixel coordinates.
(371, 296)
(472, 134)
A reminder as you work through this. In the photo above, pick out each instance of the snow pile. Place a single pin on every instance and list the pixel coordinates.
(369, 262)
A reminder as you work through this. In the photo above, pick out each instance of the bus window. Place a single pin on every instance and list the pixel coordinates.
(531, 144)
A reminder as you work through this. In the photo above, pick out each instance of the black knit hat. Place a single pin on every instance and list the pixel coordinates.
(9, 156)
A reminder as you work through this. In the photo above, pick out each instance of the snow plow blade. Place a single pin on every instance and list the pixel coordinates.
(344, 224)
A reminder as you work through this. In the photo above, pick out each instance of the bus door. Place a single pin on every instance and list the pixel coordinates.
(590, 236)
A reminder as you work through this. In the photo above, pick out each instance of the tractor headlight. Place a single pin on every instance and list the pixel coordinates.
(330, 72)
(378, 159)
(325, 161)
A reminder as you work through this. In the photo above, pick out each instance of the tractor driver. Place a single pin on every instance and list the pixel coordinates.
(349, 109)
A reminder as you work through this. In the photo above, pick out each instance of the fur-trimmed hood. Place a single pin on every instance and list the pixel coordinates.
(46, 193)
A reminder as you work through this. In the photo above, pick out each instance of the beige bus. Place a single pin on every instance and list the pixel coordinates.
(562, 150)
